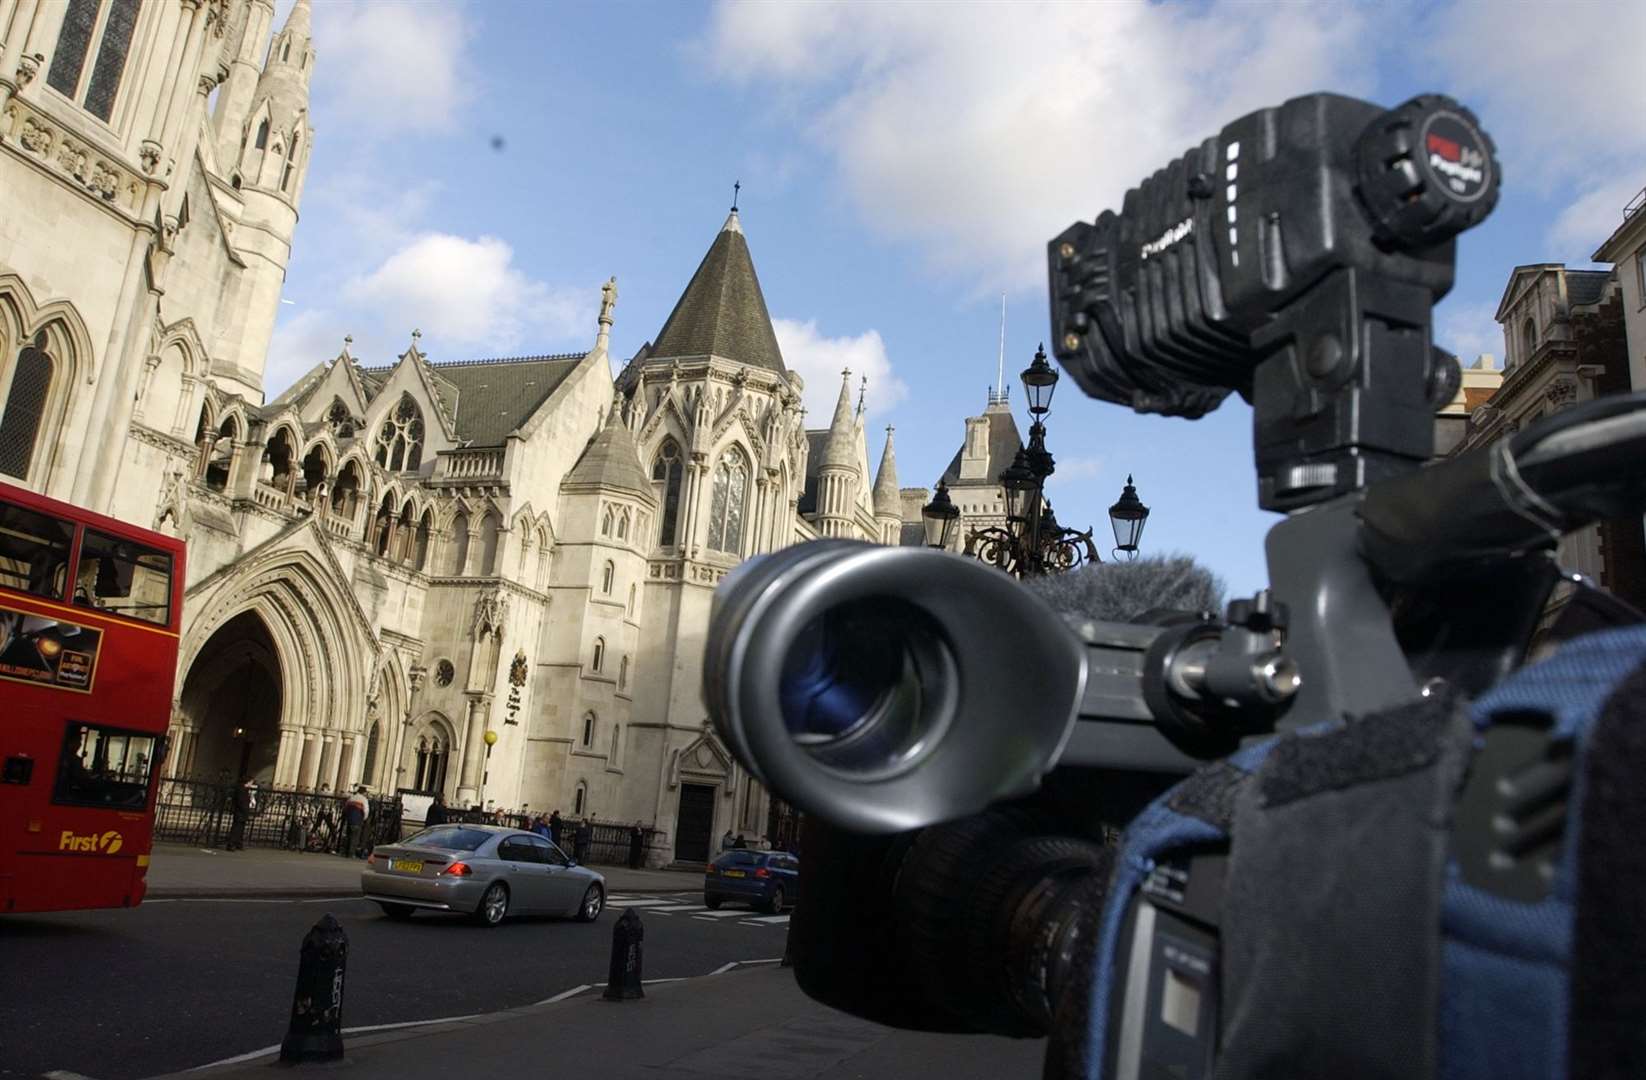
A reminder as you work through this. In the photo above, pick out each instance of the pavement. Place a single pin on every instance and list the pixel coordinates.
(178, 871)
(753, 1019)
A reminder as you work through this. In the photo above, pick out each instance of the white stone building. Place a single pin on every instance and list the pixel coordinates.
(386, 562)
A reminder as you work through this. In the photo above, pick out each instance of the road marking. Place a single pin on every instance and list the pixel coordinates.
(723, 968)
(768, 920)
(638, 903)
(564, 994)
(773, 960)
(660, 911)
(722, 915)
(64, 1074)
(677, 978)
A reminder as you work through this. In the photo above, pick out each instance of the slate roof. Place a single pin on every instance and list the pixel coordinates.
(815, 441)
(1586, 286)
(492, 397)
(723, 312)
(1004, 443)
(612, 460)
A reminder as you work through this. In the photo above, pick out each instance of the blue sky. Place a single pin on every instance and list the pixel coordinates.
(481, 168)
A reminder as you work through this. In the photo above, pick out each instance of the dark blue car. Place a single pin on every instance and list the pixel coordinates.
(769, 880)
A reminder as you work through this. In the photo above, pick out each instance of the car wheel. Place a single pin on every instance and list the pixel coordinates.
(494, 904)
(775, 904)
(397, 912)
(712, 903)
(593, 902)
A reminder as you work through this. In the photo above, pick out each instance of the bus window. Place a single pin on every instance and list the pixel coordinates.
(103, 766)
(34, 550)
(124, 578)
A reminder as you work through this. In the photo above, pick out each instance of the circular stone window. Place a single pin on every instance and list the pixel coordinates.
(444, 673)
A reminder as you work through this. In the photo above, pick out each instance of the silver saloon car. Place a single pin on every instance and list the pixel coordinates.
(485, 871)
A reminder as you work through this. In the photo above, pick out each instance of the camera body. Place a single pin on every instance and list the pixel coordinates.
(962, 777)
(1278, 259)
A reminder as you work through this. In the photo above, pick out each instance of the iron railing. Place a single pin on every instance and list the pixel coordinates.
(608, 843)
(201, 812)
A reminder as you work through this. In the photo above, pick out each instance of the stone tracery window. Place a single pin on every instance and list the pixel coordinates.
(727, 502)
(27, 389)
(606, 576)
(666, 472)
(599, 653)
(339, 420)
(400, 439)
(109, 25)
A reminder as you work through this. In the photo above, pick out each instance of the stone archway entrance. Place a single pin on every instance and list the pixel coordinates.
(231, 705)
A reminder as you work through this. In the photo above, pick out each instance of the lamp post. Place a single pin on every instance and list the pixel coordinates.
(939, 517)
(1128, 516)
(1033, 543)
(486, 769)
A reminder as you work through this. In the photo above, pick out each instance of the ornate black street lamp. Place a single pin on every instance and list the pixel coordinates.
(1128, 516)
(939, 517)
(1032, 543)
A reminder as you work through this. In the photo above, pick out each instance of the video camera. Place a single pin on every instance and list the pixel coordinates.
(963, 754)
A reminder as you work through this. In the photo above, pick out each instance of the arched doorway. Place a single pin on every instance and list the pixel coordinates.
(231, 705)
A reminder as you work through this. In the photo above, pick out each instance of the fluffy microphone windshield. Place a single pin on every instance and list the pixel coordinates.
(1121, 591)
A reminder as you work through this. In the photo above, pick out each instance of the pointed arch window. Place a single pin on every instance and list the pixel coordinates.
(26, 390)
(588, 729)
(599, 653)
(103, 26)
(617, 746)
(606, 577)
(1528, 339)
(631, 598)
(339, 420)
(623, 673)
(666, 472)
(606, 522)
(581, 799)
(726, 502)
(262, 142)
(424, 527)
(400, 439)
(291, 162)
(623, 526)
(367, 772)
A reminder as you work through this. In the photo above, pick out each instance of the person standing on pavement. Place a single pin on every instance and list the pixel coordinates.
(583, 840)
(355, 808)
(637, 846)
(726, 841)
(555, 828)
(436, 813)
(245, 804)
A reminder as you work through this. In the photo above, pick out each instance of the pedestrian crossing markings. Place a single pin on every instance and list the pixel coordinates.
(669, 905)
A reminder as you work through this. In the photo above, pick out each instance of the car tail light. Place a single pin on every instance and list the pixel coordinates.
(762, 872)
(371, 860)
(712, 870)
(458, 869)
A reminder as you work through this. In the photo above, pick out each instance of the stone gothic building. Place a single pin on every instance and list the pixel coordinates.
(385, 562)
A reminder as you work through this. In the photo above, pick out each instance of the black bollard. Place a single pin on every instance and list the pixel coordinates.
(623, 980)
(788, 949)
(316, 1030)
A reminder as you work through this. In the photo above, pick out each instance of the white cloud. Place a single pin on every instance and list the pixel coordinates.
(1467, 330)
(1592, 217)
(469, 293)
(982, 130)
(301, 340)
(820, 359)
(1076, 469)
(1558, 85)
(388, 68)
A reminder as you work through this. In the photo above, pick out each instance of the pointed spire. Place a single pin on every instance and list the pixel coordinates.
(837, 448)
(862, 395)
(887, 501)
(723, 312)
(611, 459)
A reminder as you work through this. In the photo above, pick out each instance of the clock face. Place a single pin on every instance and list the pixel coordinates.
(443, 673)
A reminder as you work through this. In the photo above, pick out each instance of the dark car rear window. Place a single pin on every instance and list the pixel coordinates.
(741, 858)
(454, 837)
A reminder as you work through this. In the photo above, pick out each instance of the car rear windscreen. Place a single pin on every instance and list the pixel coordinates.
(741, 858)
(452, 837)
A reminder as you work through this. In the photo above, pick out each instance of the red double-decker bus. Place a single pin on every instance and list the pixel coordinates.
(89, 616)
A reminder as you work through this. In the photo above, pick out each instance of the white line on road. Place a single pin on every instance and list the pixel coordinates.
(722, 915)
(773, 960)
(769, 920)
(64, 1074)
(564, 994)
(723, 968)
(638, 903)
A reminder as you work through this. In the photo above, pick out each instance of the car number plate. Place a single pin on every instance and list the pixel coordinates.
(735, 873)
(410, 866)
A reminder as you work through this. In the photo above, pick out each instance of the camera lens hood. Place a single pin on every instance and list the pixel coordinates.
(886, 689)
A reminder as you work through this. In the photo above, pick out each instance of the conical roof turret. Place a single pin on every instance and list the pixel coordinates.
(887, 501)
(839, 448)
(612, 460)
(723, 312)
